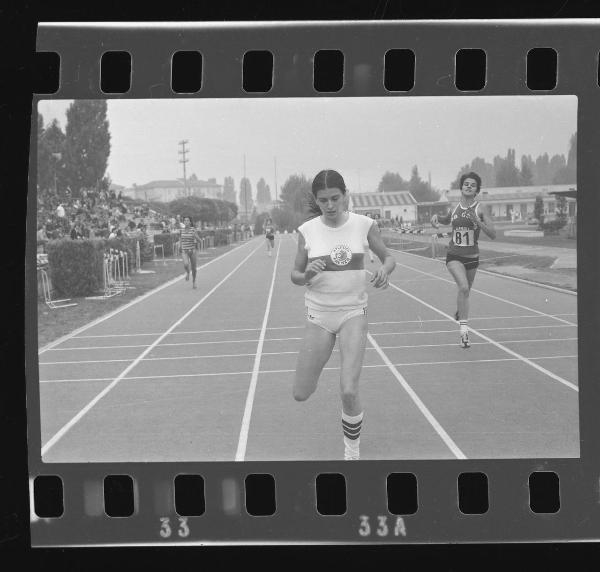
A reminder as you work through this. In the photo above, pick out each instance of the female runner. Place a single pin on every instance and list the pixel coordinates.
(330, 263)
(462, 258)
(189, 241)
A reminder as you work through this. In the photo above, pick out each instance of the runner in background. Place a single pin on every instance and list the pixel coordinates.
(269, 236)
(189, 241)
(467, 220)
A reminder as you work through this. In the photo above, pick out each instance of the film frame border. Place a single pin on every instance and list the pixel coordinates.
(438, 518)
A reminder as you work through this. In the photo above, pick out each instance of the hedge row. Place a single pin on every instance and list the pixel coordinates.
(76, 265)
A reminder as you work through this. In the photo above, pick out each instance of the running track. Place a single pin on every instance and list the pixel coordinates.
(206, 374)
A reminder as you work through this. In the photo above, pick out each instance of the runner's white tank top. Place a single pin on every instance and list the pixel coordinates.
(342, 285)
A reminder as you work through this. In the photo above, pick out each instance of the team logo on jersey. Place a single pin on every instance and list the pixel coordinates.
(341, 255)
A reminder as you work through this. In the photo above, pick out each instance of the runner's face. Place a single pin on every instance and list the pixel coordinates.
(331, 203)
(469, 187)
(187, 222)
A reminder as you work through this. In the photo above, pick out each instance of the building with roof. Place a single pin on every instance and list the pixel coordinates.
(400, 204)
(519, 202)
(171, 189)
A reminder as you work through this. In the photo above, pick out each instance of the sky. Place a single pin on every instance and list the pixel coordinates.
(362, 138)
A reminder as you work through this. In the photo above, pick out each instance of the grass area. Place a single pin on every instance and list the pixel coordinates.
(53, 324)
(522, 260)
(552, 240)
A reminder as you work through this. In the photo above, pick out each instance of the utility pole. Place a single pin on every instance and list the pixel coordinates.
(183, 160)
(276, 191)
(245, 190)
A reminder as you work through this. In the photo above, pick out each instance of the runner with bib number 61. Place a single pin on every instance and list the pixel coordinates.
(467, 220)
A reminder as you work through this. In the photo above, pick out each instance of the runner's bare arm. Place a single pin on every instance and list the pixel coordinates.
(486, 224)
(388, 263)
(303, 271)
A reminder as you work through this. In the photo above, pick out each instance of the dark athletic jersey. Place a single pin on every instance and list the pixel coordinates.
(464, 235)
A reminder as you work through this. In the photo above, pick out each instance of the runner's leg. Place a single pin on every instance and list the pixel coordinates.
(315, 351)
(459, 274)
(353, 339)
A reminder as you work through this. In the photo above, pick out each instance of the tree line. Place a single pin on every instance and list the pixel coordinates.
(543, 170)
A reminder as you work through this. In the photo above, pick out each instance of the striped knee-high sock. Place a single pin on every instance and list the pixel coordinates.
(352, 424)
(463, 326)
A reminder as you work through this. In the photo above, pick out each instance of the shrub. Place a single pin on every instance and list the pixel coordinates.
(553, 226)
(76, 266)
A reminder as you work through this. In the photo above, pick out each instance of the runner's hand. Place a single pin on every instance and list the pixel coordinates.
(313, 268)
(381, 278)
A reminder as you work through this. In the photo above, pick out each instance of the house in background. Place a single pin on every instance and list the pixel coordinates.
(390, 205)
(171, 189)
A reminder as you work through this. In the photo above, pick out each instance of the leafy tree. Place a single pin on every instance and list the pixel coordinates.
(526, 174)
(228, 190)
(295, 193)
(263, 192)
(420, 189)
(392, 182)
(246, 202)
(51, 171)
(507, 174)
(87, 144)
(567, 174)
(286, 219)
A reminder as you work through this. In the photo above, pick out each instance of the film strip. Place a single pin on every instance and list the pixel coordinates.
(458, 491)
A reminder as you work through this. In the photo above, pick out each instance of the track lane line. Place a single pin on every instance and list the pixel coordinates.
(410, 346)
(65, 428)
(101, 319)
(497, 344)
(552, 316)
(266, 371)
(490, 273)
(417, 401)
(245, 428)
(301, 327)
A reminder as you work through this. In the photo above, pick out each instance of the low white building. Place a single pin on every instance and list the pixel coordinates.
(169, 190)
(400, 204)
(502, 202)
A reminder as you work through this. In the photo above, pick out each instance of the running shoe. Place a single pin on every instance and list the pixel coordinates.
(464, 340)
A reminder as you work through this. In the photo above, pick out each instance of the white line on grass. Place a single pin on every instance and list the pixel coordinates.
(514, 278)
(122, 375)
(417, 401)
(553, 316)
(267, 371)
(75, 333)
(410, 346)
(497, 344)
(243, 439)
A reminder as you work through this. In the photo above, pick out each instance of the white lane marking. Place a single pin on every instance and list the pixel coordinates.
(514, 278)
(410, 346)
(173, 344)
(302, 327)
(245, 428)
(266, 371)
(404, 333)
(497, 344)
(75, 333)
(65, 428)
(417, 401)
(553, 316)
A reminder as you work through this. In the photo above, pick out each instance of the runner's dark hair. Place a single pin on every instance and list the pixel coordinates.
(326, 179)
(471, 175)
